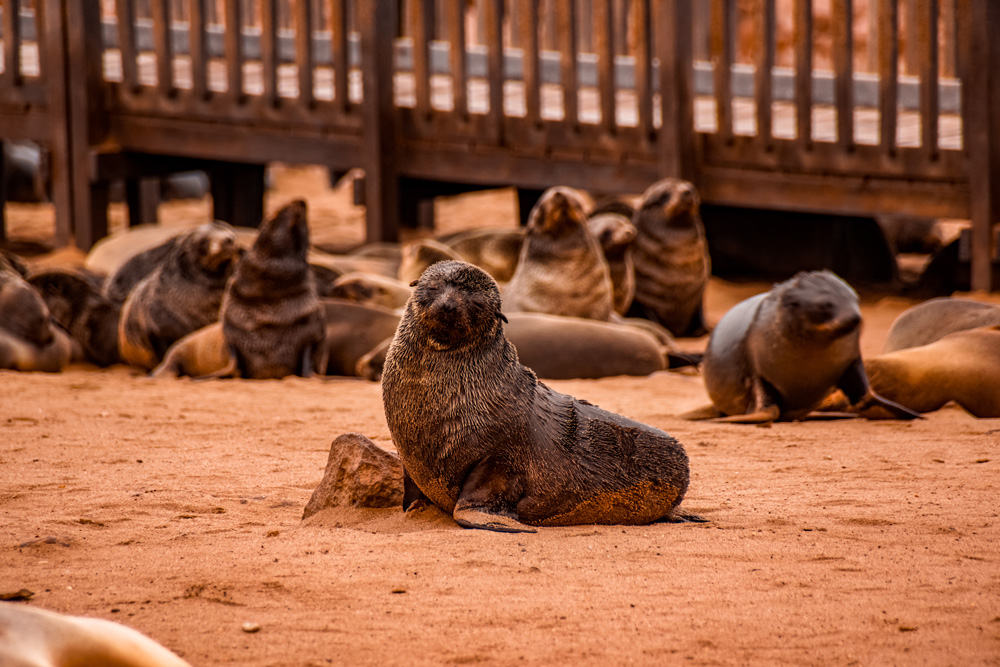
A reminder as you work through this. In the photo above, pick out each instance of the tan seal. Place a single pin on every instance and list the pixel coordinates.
(352, 331)
(931, 320)
(561, 270)
(615, 233)
(777, 355)
(485, 441)
(672, 265)
(371, 289)
(201, 354)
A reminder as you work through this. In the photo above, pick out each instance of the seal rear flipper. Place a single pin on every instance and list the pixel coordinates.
(683, 359)
(763, 416)
(486, 502)
(854, 384)
(704, 412)
(868, 407)
(480, 517)
(681, 517)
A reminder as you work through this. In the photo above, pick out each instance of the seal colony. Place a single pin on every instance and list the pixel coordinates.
(485, 441)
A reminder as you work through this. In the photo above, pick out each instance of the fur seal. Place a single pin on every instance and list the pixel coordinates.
(33, 637)
(29, 341)
(201, 354)
(931, 320)
(120, 283)
(110, 253)
(271, 315)
(352, 331)
(561, 270)
(368, 288)
(485, 441)
(75, 301)
(418, 255)
(777, 355)
(181, 295)
(672, 265)
(615, 233)
(495, 251)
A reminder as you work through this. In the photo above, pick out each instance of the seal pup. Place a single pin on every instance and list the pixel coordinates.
(615, 233)
(777, 355)
(931, 320)
(33, 637)
(561, 270)
(485, 441)
(670, 251)
(29, 339)
(495, 251)
(75, 302)
(271, 315)
(181, 295)
(368, 288)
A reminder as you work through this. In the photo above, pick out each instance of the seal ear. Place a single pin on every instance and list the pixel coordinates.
(413, 283)
(501, 316)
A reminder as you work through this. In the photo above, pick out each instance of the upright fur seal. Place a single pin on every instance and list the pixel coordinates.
(484, 440)
(182, 294)
(615, 233)
(271, 315)
(561, 270)
(776, 356)
(672, 265)
(931, 320)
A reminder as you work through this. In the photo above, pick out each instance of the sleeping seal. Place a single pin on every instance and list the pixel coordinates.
(931, 320)
(485, 441)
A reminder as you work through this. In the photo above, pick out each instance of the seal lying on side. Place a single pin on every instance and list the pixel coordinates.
(495, 251)
(672, 265)
(352, 331)
(76, 303)
(776, 356)
(32, 637)
(271, 315)
(181, 295)
(29, 341)
(371, 289)
(562, 270)
(485, 441)
(963, 367)
(931, 320)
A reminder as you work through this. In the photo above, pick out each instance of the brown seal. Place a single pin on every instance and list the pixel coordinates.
(271, 315)
(495, 251)
(931, 320)
(485, 441)
(352, 331)
(615, 232)
(181, 295)
(29, 340)
(75, 301)
(562, 270)
(33, 637)
(418, 255)
(672, 265)
(120, 283)
(371, 289)
(777, 355)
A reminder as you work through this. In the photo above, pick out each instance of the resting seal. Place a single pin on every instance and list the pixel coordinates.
(271, 315)
(29, 341)
(352, 331)
(418, 255)
(931, 320)
(561, 270)
(777, 355)
(76, 303)
(485, 441)
(495, 251)
(672, 265)
(201, 354)
(371, 289)
(181, 295)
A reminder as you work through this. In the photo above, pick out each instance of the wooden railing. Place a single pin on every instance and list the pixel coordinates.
(768, 105)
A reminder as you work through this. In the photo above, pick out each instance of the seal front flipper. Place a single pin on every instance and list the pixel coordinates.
(483, 502)
(854, 384)
(413, 497)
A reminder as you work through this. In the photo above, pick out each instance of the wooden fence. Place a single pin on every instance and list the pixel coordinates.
(768, 104)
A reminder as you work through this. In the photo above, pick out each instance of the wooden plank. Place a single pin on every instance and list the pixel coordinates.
(268, 51)
(340, 46)
(11, 75)
(604, 48)
(981, 103)
(911, 30)
(234, 50)
(377, 21)
(422, 32)
(142, 199)
(162, 47)
(803, 72)
(763, 76)
(456, 57)
(303, 50)
(888, 74)
(493, 36)
(199, 54)
(948, 53)
(676, 138)
(927, 32)
(843, 68)
(530, 47)
(567, 40)
(643, 65)
(722, 58)
(125, 10)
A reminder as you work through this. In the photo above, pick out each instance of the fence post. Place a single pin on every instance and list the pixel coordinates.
(981, 105)
(378, 20)
(672, 35)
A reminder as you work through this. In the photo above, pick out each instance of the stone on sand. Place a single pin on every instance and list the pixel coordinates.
(358, 473)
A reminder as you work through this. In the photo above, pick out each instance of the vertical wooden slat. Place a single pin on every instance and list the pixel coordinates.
(198, 52)
(643, 66)
(163, 47)
(722, 58)
(674, 47)
(530, 46)
(11, 75)
(303, 49)
(927, 32)
(567, 40)
(340, 34)
(803, 72)
(603, 46)
(888, 71)
(911, 31)
(763, 76)
(456, 57)
(492, 15)
(234, 49)
(980, 25)
(269, 50)
(843, 71)
(948, 64)
(422, 32)
(126, 43)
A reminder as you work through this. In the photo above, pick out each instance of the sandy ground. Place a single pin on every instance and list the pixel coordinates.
(175, 507)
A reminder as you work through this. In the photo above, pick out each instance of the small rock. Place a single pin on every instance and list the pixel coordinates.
(251, 627)
(358, 473)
